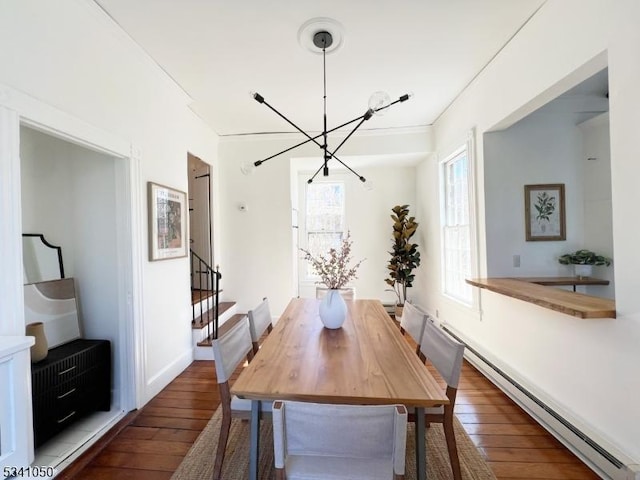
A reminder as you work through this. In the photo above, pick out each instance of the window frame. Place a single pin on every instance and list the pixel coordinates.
(467, 146)
(303, 270)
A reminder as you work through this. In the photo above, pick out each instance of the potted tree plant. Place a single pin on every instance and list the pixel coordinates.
(404, 255)
(583, 261)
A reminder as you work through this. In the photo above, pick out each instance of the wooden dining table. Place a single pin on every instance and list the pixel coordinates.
(365, 362)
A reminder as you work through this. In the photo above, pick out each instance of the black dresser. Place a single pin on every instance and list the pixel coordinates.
(74, 380)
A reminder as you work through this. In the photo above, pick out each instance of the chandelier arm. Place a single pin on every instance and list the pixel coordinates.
(361, 118)
(316, 174)
(260, 162)
(403, 98)
(364, 118)
(346, 123)
(311, 139)
(362, 179)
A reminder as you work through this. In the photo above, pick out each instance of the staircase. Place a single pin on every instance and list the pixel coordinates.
(202, 327)
(205, 294)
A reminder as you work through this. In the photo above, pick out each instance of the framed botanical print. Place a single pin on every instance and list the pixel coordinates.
(167, 222)
(544, 212)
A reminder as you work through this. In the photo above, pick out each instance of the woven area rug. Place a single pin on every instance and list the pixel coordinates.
(198, 464)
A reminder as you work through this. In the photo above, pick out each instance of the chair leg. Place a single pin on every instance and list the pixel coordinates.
(222, 446)
(279, 474)
(451, 445)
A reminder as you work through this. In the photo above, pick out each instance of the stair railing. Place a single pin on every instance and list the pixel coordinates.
(208, 280)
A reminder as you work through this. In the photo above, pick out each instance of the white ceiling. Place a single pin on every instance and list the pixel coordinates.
(220, 50)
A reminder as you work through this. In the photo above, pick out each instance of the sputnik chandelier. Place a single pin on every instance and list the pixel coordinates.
(322, 32)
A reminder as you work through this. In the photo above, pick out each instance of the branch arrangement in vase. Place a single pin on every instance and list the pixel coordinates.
(333, 267)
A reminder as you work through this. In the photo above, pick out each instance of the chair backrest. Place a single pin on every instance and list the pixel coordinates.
(444, 352)
(231, 348)
(358, 431)
(259, 319)
(413, 321)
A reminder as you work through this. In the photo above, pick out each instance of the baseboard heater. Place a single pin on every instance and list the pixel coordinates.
(608, 464)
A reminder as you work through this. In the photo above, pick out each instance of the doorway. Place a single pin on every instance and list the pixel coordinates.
(200, 218)
(80, 183)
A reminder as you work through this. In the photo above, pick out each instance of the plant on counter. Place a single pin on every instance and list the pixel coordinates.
(584, 257)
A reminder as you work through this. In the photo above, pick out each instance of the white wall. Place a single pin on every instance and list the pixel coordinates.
(581, 367)
(70, 56)
(598, 221)
(540, 149)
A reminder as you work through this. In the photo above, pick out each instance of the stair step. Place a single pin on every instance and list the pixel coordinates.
(225, 327)
(198, 296)
(204, 319)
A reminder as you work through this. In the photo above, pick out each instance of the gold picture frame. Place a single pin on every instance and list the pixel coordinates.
(167, 222)
(544, 212)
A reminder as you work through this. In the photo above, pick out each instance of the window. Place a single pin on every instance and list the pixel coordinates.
(325, 218)
(457, 231)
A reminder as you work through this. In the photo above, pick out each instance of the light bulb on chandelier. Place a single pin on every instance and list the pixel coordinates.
(322, 32)
(378, 101)
(247, 167)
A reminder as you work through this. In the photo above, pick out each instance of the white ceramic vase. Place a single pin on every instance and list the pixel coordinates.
(582, 271)
(333, 310)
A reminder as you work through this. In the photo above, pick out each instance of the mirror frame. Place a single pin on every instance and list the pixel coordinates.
(50, 245)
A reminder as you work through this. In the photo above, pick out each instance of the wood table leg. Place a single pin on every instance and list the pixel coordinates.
(421, 448)
(255, 440)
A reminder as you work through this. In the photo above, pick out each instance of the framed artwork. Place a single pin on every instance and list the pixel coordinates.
(167, 222)
(544, 212)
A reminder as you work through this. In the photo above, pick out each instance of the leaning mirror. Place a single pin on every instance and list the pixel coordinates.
(42, 261)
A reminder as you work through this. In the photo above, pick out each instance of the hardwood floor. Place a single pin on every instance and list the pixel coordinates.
(154, 443)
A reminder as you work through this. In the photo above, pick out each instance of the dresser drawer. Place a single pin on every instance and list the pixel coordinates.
(69, 360)
(73, 381)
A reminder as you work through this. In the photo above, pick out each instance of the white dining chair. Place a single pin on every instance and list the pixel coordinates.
(229, 350)
(446, 355)
(259, 322)
(357, 442)
(413, 322)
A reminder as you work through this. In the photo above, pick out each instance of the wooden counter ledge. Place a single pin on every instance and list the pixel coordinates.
(576, 304)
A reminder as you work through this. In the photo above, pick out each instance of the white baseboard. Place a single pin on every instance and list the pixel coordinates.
(606, 462)
(156, 383)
